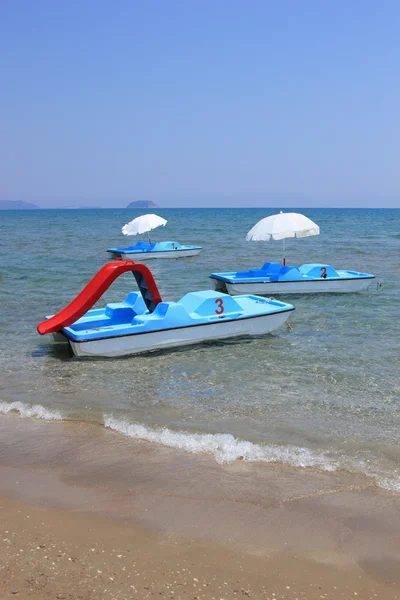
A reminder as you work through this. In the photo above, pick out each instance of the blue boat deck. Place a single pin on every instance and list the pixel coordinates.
(144, 247)
(274, 272)
(196, 308)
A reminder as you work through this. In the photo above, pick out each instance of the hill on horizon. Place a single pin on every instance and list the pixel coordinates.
(17, 205)
(142, 204)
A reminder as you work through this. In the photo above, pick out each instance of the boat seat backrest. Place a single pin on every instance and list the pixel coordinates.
(271, 268)
(160, 310)
(290, 274)
(119, 313)
(136, 302)
(125, 312)
(174, 313)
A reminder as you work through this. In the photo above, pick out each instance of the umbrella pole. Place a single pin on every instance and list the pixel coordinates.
(284, 257)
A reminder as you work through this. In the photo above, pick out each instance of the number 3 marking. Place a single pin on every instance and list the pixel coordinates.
(221, 307)
(323, 274)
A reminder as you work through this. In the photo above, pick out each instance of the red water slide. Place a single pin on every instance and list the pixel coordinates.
(96, 288)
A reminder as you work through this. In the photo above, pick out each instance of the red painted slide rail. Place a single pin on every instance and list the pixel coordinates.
(96, 287)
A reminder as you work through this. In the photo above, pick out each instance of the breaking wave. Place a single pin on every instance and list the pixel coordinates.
(36, 410)
(224, 447)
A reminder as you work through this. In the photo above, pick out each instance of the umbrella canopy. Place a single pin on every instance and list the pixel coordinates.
(281, 226)
(143, 224)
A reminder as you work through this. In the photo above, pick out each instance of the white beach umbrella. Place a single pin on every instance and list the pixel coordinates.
(143, 224)
(281, 226)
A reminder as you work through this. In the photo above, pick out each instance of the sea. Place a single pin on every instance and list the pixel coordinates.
(322, 394)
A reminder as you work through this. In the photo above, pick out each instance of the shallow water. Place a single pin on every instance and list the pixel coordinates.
(324, 394)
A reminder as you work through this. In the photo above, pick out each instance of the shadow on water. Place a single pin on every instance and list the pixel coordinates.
(57, 350)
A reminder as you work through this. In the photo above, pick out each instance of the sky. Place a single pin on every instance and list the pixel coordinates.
(200, 102)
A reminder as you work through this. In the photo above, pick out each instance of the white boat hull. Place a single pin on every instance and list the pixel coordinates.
(184, 336)
(338, 286)
(163, 254)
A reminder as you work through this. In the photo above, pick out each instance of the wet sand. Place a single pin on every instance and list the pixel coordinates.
(86, 513)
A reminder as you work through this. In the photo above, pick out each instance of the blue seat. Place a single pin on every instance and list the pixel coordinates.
(271, 268)
(290, 274)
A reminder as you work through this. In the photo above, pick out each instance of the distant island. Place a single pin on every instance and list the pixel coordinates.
(142, 204)
(16, 205)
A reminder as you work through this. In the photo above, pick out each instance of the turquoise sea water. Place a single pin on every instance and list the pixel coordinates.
(324, 394)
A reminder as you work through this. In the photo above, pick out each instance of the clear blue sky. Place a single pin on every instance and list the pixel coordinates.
(251, 102)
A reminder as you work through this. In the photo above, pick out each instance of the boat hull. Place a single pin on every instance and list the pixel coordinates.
(184, 336)
(318, 286)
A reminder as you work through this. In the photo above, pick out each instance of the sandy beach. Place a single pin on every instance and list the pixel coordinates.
(50, 553)
(86, 513)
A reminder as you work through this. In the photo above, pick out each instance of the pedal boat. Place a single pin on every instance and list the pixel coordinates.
(274, 279)
(146, 251)
(144, 323)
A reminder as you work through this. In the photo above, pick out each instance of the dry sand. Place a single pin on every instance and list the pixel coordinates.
(54, 553)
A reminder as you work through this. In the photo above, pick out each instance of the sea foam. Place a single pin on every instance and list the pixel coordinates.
(224, 447)
(36, 410)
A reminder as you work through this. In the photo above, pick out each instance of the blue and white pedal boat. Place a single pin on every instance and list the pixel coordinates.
(143, 322)
(129, 328)
(274, 279)
(146, 251)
